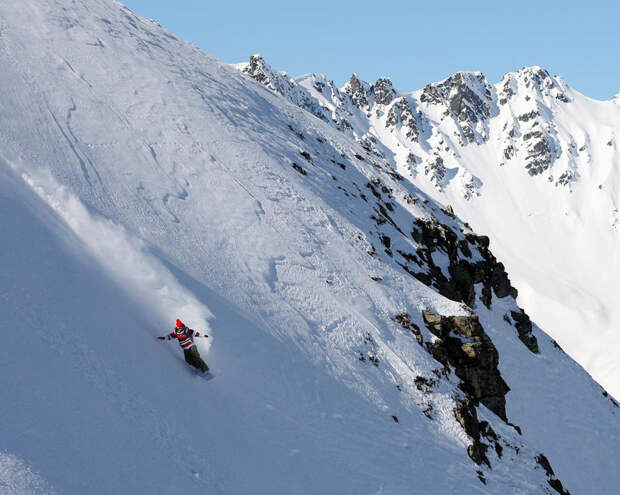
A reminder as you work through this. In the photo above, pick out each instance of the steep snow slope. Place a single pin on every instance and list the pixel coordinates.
(529, 161)
(152, 181)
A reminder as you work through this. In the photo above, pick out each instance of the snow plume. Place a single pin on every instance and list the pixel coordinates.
(16, 478)
(123, 256)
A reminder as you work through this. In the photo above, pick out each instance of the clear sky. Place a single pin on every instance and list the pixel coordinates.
(414, 42)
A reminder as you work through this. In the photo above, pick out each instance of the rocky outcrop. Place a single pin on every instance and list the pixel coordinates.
(532, 82)
(464, 274)
(401, 114)
(259, 70)
(553, 481)
(466, 416)
(466, 96)
(435, 170)
(461, 278)
(524, 329)
(538, 149)
(463, 344)
(278, 82)
(358, 91)
(383, 91)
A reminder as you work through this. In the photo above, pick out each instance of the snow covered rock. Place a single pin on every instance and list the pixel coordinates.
(383, 91)
(467, 98)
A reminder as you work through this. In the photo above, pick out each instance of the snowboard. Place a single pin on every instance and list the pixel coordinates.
(207, 375)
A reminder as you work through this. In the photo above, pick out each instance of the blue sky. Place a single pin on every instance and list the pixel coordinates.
(414, 42)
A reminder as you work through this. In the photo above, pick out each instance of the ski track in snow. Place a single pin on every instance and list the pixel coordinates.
(551, 229)
(140, 274)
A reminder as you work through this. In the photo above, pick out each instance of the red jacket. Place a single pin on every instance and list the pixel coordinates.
(186, 339)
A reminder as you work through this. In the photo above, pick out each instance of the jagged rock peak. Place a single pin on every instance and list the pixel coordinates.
(467, 94)
(401, 113)
(259, 70)
(616, 99)
(528, 80)
(358, 90)
(383, 91)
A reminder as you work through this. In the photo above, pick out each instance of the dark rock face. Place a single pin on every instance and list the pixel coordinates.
(524, 329)
(357, 91)
(465, 104)
(401, 113)
(528, 116)
(259, 70)
(465, 414)
(539, 80)
(539, 157)
(463, 344)
(507, 91)
(464, 273)
(435, 170)
(383, 91)
(566, 178)
(554, 483)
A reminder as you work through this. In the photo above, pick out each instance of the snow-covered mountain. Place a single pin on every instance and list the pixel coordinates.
(365, 339)
(529, 161)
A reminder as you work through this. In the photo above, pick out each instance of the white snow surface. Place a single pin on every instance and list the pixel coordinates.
(142, 180)
(557, 231)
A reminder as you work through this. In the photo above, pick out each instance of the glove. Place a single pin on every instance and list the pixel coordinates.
(161, 338)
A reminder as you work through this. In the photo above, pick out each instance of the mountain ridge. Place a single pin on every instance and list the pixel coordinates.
(525, 155)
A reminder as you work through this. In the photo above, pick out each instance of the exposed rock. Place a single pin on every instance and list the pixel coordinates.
(554, 483)
(358, 91)
(465, 414)
(524, 329)
(259, 70)
(528, 116)
(383, 91)
(463, 344)
(567, 178)
(509, 152)
(539, 156)
(401, 114)
(467, 96)
(435, 170)
(464, 274)
(299, 169)
(262, 72)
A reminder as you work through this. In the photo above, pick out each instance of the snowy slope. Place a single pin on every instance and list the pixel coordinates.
(142, 180)
(529, 161)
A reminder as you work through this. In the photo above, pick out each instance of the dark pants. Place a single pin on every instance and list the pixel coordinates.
(192, 356)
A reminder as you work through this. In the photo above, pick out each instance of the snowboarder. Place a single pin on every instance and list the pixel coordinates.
(185, 336)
